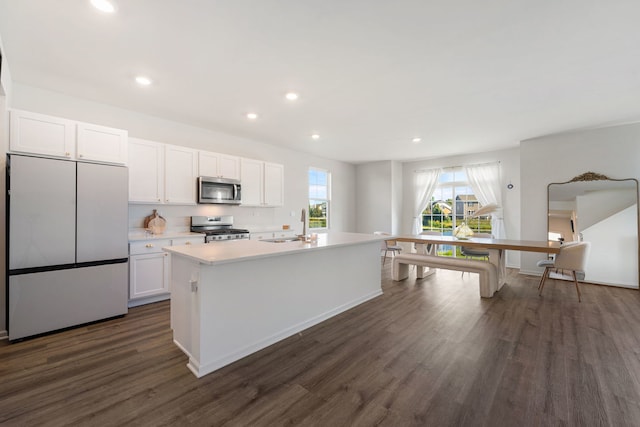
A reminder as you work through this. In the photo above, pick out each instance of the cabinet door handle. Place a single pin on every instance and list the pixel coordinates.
(80, 155)
(67, 154)
(188, 243)
(159, 200)
(148, 245)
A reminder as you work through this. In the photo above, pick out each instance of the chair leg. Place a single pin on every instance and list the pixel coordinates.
(575, 280)
(542, 282)
(385, 257)
(543, 278)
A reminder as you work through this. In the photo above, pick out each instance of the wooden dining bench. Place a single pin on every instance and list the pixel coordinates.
(486, 270)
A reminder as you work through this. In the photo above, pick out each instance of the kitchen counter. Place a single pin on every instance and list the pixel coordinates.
(242, 250)
(141, 235)
(231, 299)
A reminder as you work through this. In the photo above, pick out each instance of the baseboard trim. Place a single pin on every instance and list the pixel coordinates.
(531, 272)
(4, 335)
(147, 300)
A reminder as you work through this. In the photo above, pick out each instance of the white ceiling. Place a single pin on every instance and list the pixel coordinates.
(465, 76)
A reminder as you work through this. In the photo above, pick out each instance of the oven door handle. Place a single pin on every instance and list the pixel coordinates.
(235, 191)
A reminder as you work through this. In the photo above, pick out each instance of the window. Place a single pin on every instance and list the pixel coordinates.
(452, 203)
(319, 197)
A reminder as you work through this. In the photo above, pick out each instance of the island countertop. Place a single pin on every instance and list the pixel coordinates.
(230, 299)
(242, 250)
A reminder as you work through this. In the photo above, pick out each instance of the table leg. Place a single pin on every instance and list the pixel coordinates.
(497, 258)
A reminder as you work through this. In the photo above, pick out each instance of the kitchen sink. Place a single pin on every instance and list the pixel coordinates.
(281, 240)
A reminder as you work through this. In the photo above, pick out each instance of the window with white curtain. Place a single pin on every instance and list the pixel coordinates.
(452, 203)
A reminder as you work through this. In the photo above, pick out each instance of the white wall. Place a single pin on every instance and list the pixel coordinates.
(397, 194)
(296, 164)
(509, 169)
(612, 151)
(379, 197)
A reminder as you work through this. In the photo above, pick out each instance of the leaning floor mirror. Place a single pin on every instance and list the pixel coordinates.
(595, 208)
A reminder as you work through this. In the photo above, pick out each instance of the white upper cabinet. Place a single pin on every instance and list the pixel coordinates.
(57, 137)
(229, 166)
(273, 184)
(101, 143)
(40, 134)
(218, 165)
(262, 183)
(251, 172)
(180, 173)
(146, 171)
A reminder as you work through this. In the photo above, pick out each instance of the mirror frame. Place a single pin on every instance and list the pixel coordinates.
(593, 176)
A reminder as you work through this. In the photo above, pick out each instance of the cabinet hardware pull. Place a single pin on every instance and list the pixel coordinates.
(67, 154)
(80, 155)
(149, 245)
(188, 243)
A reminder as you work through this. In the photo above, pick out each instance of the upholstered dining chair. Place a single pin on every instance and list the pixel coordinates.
(476, 252)
(388, 245)
(571, 258)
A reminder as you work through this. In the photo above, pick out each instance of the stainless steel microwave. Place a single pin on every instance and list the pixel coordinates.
(219, 190)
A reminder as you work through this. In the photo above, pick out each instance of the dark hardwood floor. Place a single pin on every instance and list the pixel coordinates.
(428, 352)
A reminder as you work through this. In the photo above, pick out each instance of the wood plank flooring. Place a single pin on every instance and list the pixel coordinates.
(428, 352)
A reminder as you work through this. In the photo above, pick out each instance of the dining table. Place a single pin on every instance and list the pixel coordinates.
(495, 247)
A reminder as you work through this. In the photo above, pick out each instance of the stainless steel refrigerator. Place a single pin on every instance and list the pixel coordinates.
(67, 238)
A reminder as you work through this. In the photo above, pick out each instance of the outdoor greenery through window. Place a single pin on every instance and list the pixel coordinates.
(453, 203)
(319, 196)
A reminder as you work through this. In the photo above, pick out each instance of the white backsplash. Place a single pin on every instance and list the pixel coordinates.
(179, 217)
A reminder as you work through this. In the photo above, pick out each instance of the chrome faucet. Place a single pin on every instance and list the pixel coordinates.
(303, 218)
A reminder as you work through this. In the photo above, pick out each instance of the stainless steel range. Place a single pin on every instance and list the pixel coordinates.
(217, 228)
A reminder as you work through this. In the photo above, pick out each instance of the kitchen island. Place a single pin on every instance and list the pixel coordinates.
(231, 299)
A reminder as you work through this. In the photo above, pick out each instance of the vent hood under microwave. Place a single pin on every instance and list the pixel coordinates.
(219, 191)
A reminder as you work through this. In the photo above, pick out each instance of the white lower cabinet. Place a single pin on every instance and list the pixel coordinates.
(149, 275)
(149, 269)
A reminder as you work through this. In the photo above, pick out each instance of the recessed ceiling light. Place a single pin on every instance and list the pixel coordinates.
(143, 81)
(416, 140)
(315, 136)
(105, 6)
(291, 96)
(252, 116)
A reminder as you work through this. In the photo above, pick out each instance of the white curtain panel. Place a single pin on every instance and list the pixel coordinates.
(485, 182)
(424, 185)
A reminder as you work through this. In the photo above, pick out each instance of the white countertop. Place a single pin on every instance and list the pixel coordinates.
(141, 235)
(242, 250)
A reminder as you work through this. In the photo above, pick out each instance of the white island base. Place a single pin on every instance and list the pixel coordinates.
(231, 299)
